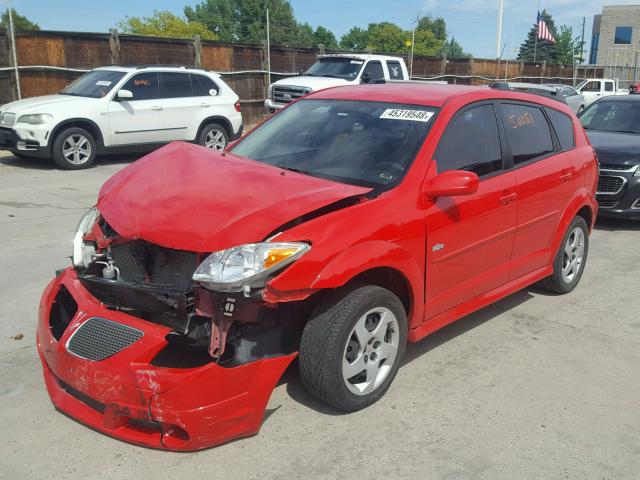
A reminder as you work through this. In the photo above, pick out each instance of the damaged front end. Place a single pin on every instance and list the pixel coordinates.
(134, 347)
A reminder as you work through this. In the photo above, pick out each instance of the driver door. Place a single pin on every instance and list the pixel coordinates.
(141, 118)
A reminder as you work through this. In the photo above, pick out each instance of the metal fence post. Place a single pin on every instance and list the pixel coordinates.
(197, 50)
(114, 46)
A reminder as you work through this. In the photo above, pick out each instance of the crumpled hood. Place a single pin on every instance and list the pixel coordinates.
(41, 104)
(616, 148)
(314, 83)
(186, 197)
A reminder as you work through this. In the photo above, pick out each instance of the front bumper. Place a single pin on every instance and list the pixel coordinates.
(624, 203)
(29, 141)
(127, 397)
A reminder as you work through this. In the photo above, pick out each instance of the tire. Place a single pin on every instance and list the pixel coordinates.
(562, 282)
(331, 347)
(73, 149)
(214, 136)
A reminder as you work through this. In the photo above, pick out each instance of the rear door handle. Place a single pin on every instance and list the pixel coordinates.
(205, 105)
(565, 177)
(157, 108)
(507, 199)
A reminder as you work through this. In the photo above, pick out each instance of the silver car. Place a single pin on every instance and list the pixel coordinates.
(574, 99)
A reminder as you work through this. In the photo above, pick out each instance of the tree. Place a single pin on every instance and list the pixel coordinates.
(545, 51)
(245, 21)
(453, 49)
(390, 38)
(568, 48)
(165, 24)
(435, 25)
(324, 37)
(20, 22)
(354, 39)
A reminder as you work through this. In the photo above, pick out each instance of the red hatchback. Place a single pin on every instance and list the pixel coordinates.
(353, 221)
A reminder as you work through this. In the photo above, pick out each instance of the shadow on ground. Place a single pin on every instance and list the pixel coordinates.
(617, 224)
(47, 164)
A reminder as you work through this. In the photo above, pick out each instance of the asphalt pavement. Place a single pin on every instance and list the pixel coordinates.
(534, 387)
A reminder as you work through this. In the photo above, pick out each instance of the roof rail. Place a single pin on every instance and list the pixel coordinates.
(533, 88)
(168, 65)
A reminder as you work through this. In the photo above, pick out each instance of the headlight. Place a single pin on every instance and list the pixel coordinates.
(83, 251)
(36, 118)
(247, 265)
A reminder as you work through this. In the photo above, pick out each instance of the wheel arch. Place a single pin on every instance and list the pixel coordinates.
(84, 123)
(223, 121)
(580, 205)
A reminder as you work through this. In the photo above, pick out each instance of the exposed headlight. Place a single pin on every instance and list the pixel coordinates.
(82, 250)
(637, 174)
(247, 265)
(35, 118)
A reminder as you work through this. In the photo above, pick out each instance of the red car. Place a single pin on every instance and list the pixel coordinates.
(350, 223)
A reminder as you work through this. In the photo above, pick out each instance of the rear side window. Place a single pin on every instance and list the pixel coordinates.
(175, 85)
(527, 132)
(471, 142)
(144, 86)
(608, 86)
(395, 70)
(563, 125)
(203, 86)
(591, 87)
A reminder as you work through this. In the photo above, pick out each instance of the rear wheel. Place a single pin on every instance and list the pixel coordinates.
(213, 136)
(570, 260)
(351, 348)
(74, 148)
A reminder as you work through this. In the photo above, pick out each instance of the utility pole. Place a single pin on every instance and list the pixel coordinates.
(499, 33)
(13, 49)
(266, 4)
(582, 42)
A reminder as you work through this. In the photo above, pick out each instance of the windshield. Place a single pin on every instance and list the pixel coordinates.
(94, 84)
(337, 67)
(612, 116)
(370, 144)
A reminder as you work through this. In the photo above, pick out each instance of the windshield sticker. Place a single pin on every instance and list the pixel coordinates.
(103, 83)
(411, 115)
(357, 62)
(213, 92)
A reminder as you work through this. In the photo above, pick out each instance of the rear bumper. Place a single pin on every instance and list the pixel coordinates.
(125, 396)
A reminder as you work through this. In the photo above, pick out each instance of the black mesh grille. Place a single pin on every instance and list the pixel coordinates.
(98, 338)
(605, 204)
(608, 184)
(610, 166)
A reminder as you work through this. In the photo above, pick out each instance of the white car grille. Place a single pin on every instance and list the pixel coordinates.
(7, 119)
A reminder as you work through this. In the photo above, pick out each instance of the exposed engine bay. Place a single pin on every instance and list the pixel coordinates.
(155, 283)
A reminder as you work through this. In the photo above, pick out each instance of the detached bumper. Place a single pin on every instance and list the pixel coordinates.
(125, 396)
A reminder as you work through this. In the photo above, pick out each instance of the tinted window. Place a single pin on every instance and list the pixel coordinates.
(608, 86)
(203, 86)
(591, 87)
(471, 143)
(175, 85)
(144, 86)
(374, 69)
(623, 35)
(527, 132)
(612, 116)
(395, 70)
(563, 126)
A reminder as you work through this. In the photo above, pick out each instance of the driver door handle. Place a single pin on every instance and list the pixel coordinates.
(157, 108)
(507, 199)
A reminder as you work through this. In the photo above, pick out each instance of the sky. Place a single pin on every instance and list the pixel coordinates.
(472, 22)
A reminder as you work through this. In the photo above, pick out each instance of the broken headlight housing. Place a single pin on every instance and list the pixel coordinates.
(82, 250)
(248, 265)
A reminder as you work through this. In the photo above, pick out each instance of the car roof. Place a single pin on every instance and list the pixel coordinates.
(360, 56)
(155, 68)
(417, 93)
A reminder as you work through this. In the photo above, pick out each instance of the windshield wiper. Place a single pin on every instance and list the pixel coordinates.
(293, 169)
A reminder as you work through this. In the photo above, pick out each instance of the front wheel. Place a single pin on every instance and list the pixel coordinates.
(570, 259)
(351, 348)
(213, 136)
(74, 148)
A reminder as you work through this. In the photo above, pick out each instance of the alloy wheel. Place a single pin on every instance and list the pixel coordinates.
(573, 255)
(215, 139)
(76, 149)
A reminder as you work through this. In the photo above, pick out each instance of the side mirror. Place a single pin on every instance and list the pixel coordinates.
(366, 78)
(124, 94)
(452, 183)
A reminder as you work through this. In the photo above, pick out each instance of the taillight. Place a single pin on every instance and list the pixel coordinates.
(237, 106)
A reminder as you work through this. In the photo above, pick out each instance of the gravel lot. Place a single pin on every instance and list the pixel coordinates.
(534, 387)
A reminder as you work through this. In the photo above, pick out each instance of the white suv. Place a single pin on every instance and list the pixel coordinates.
(122, 109)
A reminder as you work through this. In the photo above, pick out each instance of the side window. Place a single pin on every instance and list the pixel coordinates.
(203, 86)
(471, 142)
(528, 132)
(563, 126)
(591, 87)
(144, 86)
(373, 71)
(568, 92)
(175, 85)
(395, 70)
(608, 86)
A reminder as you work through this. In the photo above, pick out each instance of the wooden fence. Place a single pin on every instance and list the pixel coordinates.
(49, 60)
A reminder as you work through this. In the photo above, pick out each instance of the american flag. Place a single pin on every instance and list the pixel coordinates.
(543, 31)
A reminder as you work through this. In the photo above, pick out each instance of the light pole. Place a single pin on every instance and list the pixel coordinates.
(266, 5)
(13, 49)
(499, 32)
(413, 41)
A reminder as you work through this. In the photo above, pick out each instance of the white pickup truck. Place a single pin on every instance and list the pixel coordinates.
(594, 88)
(332, 71)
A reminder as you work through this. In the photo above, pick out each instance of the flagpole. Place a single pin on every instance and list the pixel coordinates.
(535, 44)
(499, 32)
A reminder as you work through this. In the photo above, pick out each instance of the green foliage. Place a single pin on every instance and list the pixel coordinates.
(545, 51)
(165, 24)
(568, 47)
(324, 37)
(435, 25)
(389, 38)
(453, 49)
(20, 22)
